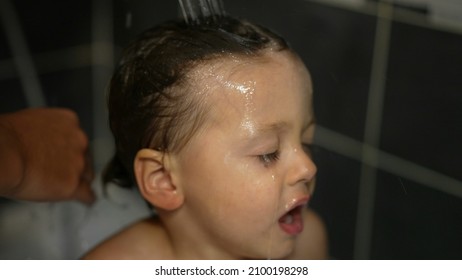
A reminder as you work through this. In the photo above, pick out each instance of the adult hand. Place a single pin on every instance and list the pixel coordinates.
(44, 156)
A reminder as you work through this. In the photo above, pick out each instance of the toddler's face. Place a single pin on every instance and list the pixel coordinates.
(246, 175)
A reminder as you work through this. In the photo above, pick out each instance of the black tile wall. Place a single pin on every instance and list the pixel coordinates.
(422, 123)
(413, 221)
(11, 96)
(4, 49)
(51, 25)
(423, 102)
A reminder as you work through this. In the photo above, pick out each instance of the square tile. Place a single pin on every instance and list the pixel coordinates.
(51, 25)
(412, 221)
(11, 97)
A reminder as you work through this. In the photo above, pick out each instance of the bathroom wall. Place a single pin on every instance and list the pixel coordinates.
(388, 103)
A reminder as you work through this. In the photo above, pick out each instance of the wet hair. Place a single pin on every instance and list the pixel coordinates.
(149, 101)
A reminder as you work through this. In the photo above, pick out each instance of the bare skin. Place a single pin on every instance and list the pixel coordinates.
(147, 240)
(44, 156)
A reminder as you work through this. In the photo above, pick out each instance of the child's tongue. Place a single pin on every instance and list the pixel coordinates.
(287, 218)
(292, 222)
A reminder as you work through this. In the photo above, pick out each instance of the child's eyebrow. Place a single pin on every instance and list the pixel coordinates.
(255, 135)
(258, 131)
(272, 127)
(277, 127)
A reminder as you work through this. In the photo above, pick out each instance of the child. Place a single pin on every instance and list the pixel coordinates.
(212, 121)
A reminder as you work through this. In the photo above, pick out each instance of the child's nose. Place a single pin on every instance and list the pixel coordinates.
(302, 168)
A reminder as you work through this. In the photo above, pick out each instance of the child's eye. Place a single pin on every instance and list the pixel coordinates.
(268, 159)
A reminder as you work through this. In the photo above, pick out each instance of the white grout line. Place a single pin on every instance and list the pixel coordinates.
(412, 18)
(351, 148)
(367, 186)
(400, 15)
(21, 55)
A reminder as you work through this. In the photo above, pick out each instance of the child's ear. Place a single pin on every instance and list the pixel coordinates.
(154, 181)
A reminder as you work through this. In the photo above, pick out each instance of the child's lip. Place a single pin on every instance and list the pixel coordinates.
(298, 202)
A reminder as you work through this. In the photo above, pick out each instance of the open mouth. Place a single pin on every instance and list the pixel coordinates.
(292, 222)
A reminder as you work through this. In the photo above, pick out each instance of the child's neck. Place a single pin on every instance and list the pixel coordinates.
(188, 241)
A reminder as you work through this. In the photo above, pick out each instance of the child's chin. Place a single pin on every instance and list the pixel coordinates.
(279, 252)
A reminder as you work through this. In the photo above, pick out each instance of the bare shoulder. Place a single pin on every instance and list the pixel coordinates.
(145, 239)
(313, 242)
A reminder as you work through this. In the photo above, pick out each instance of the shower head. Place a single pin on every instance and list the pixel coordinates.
(197, 12)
